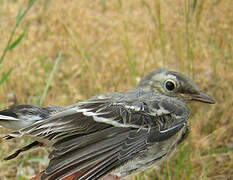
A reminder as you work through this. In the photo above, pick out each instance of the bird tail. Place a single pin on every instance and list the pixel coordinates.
(8, 118)
(22, 116)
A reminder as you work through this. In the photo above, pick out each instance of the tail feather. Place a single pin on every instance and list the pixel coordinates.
(21, 116)
(8, 118)
(12, 135)
(23, 149)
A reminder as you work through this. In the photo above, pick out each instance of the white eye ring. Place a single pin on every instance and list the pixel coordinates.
(170, 85)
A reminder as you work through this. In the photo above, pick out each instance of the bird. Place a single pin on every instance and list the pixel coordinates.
(119, 133)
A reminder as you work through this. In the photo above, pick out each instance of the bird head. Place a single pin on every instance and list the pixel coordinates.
(174, 84)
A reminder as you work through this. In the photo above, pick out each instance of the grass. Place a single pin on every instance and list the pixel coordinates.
(43, 96)
(108, 46)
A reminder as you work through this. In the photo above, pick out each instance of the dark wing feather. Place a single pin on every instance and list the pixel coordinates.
(63, 124)
(85, 153)
(103, 155)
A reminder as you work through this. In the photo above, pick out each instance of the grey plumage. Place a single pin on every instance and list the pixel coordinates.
(21, 116)
(121, 133)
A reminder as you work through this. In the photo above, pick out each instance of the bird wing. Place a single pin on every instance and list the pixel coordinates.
(99, 153)
(86, 117)
(98, 135)
(103, 111)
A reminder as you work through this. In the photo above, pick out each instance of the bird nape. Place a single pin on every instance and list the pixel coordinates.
(119, 133)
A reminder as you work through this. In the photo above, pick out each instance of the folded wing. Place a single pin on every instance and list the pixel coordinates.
(96, 136)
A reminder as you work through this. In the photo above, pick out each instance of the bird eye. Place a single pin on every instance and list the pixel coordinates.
(170, 85)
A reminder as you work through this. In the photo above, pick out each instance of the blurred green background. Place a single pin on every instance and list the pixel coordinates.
(107, 46)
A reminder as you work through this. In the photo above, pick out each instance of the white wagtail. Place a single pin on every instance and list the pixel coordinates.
(121, 133)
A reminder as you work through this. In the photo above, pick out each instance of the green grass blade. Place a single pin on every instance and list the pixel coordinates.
(17, 41)
(220, 150)
(36, 160)
(19, 18)
(50, 79)
(5, 76)
(194, 5)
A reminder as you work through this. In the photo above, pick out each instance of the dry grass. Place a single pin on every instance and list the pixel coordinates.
(107, 46)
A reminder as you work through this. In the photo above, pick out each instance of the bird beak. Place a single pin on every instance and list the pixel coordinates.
(202, 97)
